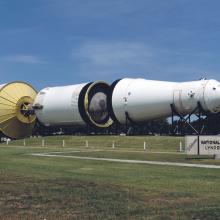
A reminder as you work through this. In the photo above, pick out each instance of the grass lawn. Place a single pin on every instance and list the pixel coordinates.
(64, 188)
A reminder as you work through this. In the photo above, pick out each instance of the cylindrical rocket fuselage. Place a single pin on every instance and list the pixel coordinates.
(74, 105)
(144, 99)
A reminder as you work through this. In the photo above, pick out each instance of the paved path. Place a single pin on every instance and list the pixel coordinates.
(130, 161)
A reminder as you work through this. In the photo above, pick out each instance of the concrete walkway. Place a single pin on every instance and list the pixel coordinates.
(129, 161)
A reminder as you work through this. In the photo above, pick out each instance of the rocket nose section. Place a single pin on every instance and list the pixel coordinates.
(212, 96)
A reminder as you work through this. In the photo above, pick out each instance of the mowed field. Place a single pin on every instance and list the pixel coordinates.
(62, 186)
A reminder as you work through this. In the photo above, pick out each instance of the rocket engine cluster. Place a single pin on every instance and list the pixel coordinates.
(99, 104)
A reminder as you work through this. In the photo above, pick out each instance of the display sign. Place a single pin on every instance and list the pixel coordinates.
(202, 145)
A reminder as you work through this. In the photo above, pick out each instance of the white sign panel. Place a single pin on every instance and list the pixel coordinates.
(208, 145)
(191, 145)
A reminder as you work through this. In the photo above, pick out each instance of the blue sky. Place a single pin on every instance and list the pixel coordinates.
(61, 42)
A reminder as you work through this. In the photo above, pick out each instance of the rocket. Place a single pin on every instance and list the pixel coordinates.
(99, 104)
(142, 100)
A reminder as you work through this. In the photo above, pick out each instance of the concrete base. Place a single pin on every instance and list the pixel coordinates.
(217, 157)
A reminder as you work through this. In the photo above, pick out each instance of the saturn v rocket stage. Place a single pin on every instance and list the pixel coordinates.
(74, 105)
(143, 100)
(99, 105)
(139, 100)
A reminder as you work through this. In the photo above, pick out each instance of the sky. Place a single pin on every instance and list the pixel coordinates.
(63, 42)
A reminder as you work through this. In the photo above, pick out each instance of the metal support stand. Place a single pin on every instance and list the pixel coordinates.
(116, 128)
(198, 111)
(128, 121)
(87, 129)
(1, 137)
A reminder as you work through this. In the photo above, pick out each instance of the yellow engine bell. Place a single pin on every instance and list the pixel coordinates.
(15, 101)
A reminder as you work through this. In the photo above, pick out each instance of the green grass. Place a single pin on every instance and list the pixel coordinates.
(60, 188)
(155, 143)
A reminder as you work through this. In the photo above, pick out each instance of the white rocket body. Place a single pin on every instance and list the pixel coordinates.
(59, 105)
(144, 99)
(74, 105)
